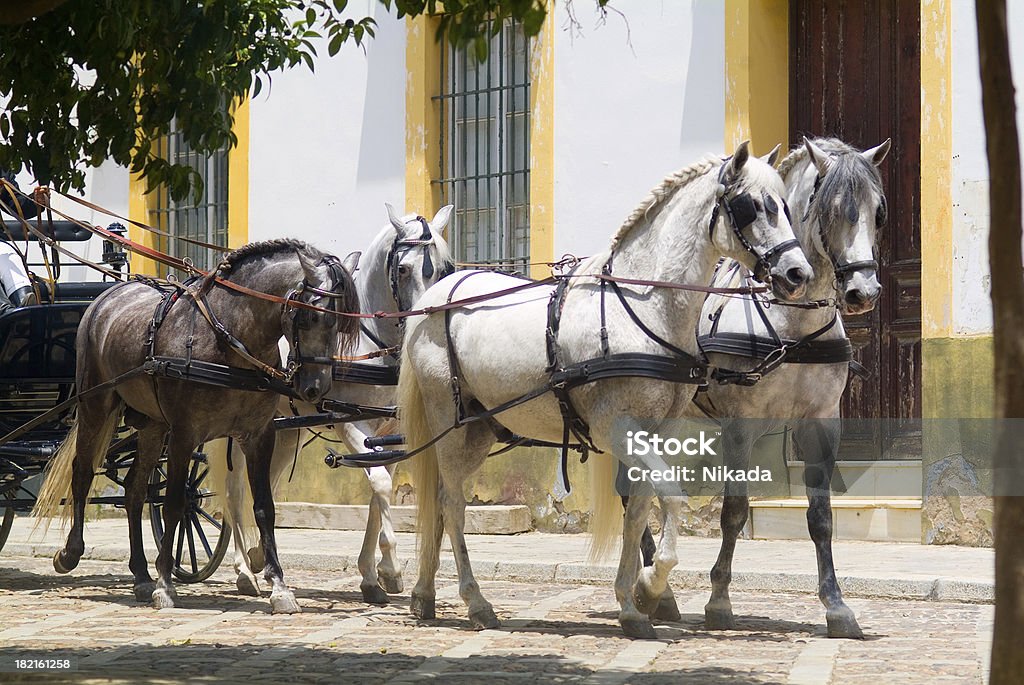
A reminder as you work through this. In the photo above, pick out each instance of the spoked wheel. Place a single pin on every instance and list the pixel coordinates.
(7, 512)
(202, 538)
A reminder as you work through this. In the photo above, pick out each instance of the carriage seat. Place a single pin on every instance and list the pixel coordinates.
(63, 230)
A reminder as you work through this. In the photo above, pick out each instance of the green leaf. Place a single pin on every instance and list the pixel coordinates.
(335, 45)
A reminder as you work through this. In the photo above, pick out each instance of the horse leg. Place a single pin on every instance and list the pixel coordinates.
(236, 489)
(819, 442)
(454, 466)
(667, 610)
(259, 450)
(421, 600)
(90, 444)
(179, 453)
(136, 487)
(635, 623)
(718, 611)
(379, 580)
(652, 583)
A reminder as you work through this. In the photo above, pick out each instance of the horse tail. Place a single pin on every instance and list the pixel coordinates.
(606, 507)
(413, 416)
(60, 472)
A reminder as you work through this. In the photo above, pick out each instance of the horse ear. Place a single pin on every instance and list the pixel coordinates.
(351, 262)
(739, 158)
(313, 273)
(772, 156)
(440, 219)
(393, 218)
(818, 156)
(876, 154)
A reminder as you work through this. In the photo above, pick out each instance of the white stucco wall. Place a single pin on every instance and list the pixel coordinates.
(634, 100)
(327, 149)
(972, 308)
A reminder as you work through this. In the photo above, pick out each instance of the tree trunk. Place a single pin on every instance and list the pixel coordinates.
(1004, 249)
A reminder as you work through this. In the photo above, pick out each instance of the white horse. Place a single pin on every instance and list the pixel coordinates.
(835, 193)
(491, 353)
(408, 255)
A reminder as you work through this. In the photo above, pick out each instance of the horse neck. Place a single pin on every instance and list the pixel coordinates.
(254, 321)
(373, 284)
(675, 248)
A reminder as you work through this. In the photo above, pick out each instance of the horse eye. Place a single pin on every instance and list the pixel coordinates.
(403, 269)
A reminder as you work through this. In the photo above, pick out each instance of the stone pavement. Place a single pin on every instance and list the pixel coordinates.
(553, 631)
(865, 569)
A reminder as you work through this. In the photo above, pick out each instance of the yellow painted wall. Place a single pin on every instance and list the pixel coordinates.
(422, 116)
(542, 145)
(757, 74)
(936, 175)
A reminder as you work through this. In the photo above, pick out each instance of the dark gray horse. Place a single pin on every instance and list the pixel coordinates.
(206, 322)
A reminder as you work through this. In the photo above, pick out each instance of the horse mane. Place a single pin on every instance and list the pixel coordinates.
(265, 248)
(661, 192)
(850, 178)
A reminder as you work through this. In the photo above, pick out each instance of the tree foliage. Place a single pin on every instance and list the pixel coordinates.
(86, 81)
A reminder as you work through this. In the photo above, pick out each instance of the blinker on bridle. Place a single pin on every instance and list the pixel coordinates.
(741, 212)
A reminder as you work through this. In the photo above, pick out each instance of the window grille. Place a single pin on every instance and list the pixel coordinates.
(485, 150)
(206, 220)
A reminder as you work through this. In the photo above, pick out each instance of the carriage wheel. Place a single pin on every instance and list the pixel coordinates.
(202, 538)
(8, 517)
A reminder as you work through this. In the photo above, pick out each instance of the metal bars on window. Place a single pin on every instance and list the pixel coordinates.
(207, 220)
(485, 149)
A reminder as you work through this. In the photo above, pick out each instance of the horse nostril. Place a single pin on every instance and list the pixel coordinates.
(311, 392)
(855, 297)
(796, 276)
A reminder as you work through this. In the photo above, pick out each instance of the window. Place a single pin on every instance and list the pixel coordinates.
(207, 220)
(485, 150)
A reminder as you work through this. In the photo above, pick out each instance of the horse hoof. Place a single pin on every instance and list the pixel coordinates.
(247, 586)
(284, 603)
(422, 608)
(843, 624)
(638, 629)
(718, 618)
(484, 619)
(667, 610)
(163, 598)
(374, 594)
(392, 584)
(144, 591)
(257, 560)
(61, 565)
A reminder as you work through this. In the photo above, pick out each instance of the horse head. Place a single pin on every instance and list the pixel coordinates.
(755, 224)
(419, 255)
(844, 213)
(314, 335)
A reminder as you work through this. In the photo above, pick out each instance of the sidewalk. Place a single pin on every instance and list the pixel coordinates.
(865, 569)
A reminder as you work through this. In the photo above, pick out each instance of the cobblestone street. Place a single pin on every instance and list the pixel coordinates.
(550, 633)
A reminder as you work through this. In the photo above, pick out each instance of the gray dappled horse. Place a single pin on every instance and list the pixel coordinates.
(501, 350)
(404, 259)
(838, 207)
(117, 334)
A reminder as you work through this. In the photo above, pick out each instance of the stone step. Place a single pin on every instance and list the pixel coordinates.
(483, 519)
(890, 520)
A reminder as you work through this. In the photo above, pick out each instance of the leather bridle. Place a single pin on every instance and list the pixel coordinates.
(741, 212)
(400, 247)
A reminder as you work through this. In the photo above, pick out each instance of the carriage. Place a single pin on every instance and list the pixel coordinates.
(37, 386)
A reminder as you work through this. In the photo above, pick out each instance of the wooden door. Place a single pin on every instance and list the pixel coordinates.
(855, 75)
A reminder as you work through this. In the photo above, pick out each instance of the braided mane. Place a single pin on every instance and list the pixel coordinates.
(661, 192)
(268, 247)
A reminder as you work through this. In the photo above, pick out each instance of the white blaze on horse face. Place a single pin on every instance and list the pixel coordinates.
(860, 288)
